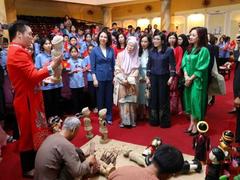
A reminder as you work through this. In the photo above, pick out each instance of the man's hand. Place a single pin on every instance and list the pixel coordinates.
(56, 61)
(237, 102)
(94, 165)
(92, 160)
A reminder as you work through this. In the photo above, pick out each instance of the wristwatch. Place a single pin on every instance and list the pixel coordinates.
(50, 70)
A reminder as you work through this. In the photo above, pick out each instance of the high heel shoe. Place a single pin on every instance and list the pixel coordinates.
(193, 133)
(187, 131)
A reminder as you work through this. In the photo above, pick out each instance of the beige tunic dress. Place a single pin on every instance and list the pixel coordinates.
(125, 96)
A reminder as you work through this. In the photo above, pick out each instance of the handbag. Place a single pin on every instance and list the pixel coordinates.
(217, 84)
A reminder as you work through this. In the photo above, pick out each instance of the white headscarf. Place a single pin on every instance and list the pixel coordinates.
(130, 61)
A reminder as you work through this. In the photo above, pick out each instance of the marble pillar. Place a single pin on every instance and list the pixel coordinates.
(165, 15)
(8, 13)
(107, 16)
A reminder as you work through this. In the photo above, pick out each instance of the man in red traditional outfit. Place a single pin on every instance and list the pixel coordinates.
(28, 101)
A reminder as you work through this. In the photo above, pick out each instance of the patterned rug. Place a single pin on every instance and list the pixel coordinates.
(120, 147)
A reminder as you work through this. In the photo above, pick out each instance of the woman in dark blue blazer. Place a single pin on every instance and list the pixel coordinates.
(102, 67)
(160, 71)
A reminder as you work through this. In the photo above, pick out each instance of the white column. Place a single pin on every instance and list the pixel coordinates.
(165, 15)
(107, 16)
(206, 20)
(227, 23)
(185, 24)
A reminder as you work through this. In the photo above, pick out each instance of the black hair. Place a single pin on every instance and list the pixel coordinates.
(73, 37)
(73, 47)
(227, 39)
(113, 24)
(118, 43)
(185, 42)
(5, 40)
(202, 39)
(156, 31)
(149, 43)
(42, 42)
(109, 38)
(168, 159)
(85, 36)
(115, 34)
(105, 28)
(163, 41)
(175, 35)
(138, 29)
(212, 39)
(80, 29)
(18, 26)
(74, 27)
(130, 26)
(65, 35)
(90, 45)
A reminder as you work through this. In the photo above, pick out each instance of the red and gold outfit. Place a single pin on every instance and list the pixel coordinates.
(28, 101)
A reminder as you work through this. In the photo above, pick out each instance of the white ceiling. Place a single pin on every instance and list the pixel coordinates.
(96, 2)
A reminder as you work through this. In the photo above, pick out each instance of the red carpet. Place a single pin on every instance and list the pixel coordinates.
(217, 117)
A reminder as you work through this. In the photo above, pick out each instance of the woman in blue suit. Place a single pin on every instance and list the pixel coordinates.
(102, 67)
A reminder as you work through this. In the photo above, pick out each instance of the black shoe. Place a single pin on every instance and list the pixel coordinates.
(232, 111)
(164, 119)
(187, 131)
(153, 118)
(109, 122)
(199, 165)
(29, 174)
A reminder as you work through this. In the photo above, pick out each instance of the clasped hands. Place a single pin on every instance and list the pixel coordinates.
(188, 81)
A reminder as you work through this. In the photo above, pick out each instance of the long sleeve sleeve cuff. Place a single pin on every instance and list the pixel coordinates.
(148, 73)
(172, 73)
(198, 74)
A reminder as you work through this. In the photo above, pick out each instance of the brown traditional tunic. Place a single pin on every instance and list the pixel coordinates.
(55, 152)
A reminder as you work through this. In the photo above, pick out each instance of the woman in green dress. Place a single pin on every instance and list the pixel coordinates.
(195, 66)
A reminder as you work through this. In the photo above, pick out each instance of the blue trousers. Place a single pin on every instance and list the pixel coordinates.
(105, 97)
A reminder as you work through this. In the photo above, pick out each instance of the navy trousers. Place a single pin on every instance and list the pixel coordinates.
(105, 97)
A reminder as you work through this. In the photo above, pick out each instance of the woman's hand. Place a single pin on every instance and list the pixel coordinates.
(188, 81)
(170, 81)
(237, 102)
(147, 81)
(95, 83)
(125, 82)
